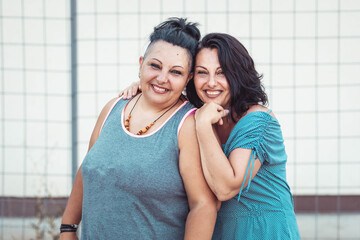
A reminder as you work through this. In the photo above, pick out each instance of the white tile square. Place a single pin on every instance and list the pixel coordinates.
(103, 99)
(327, 5)
(173, 6)
(239, 5)
(13, 56)
(35, 57)
(12, 30)
(327, 175)
(305, 99)
(305, 5)
(126, 6)
(106, 52)
(12, 8)
(327, 24)
(305, 150)
(239, 24)
(327, 51)
(282, 5)
(33, 8)
(216, 6)
(107, 78)
(58, 108)
(260, 5)
(147, 24)
(59, 186)
(260, 25)
(59, 83)
(282, 51)
(85, 129)
(283, 99)
(307, 225)
(348, 228)
(13, 81)
(35, 82)
(305, 51)
(350, 123)
(264, 70)
(86, 105)
(348, 74)
(106, 6)
(35, 107)
(328, 227)
(36, 160)
(57, 31)
(349, 175)
(13, 185)
(327, 98)
(328, 124)
(14, 107)
(56, 8)
(58, 135)
(286, 121)
(350, 24)
(260, 51)
(34, 31)
(349, 5)
(348, 98)
(348, 149)
(195, 6)
(129, 52)
(305, 175)
(305, 125)
(216, 22)
(36, 185)
(14, 160)
(328, 150)
(58, 58)
(305, 75)
(127, 75)
(128, 26)
(59, 162)
(350, 50)
(85, 27)
(88, 6)
(282, 25)
(86, 79)
(305, 24)
(328, 74)
(86, 52)
(150, 6)
(14, 133)
(106, 27)
(36, 134)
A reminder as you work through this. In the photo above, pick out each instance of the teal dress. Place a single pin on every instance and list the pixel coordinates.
(263, 209)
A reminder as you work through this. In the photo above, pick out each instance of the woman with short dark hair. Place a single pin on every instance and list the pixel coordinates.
(142, 177)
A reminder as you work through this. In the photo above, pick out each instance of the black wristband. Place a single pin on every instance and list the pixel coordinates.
(68, 228)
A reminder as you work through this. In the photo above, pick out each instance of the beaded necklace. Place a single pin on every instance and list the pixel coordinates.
(145, 129)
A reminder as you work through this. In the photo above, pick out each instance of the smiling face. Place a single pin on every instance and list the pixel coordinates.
(209, 79)
(164, 73)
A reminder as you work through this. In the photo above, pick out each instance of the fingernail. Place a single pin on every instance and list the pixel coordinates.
(227, 111)
(134, 93)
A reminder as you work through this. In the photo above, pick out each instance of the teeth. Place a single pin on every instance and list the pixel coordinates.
(159, 89)
(213, 92)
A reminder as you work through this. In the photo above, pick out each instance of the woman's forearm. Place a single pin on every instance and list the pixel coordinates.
(73, 210)
(218, 171)
(200, 222)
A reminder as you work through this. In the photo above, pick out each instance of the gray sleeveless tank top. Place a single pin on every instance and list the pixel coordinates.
(132, 188)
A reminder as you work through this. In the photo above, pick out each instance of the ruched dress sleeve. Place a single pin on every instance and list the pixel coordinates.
(260, 132)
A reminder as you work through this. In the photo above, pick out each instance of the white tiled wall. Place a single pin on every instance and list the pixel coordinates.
(308, 52)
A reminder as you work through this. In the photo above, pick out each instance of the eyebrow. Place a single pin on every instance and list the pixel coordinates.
(172, 66)
(201, 67)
